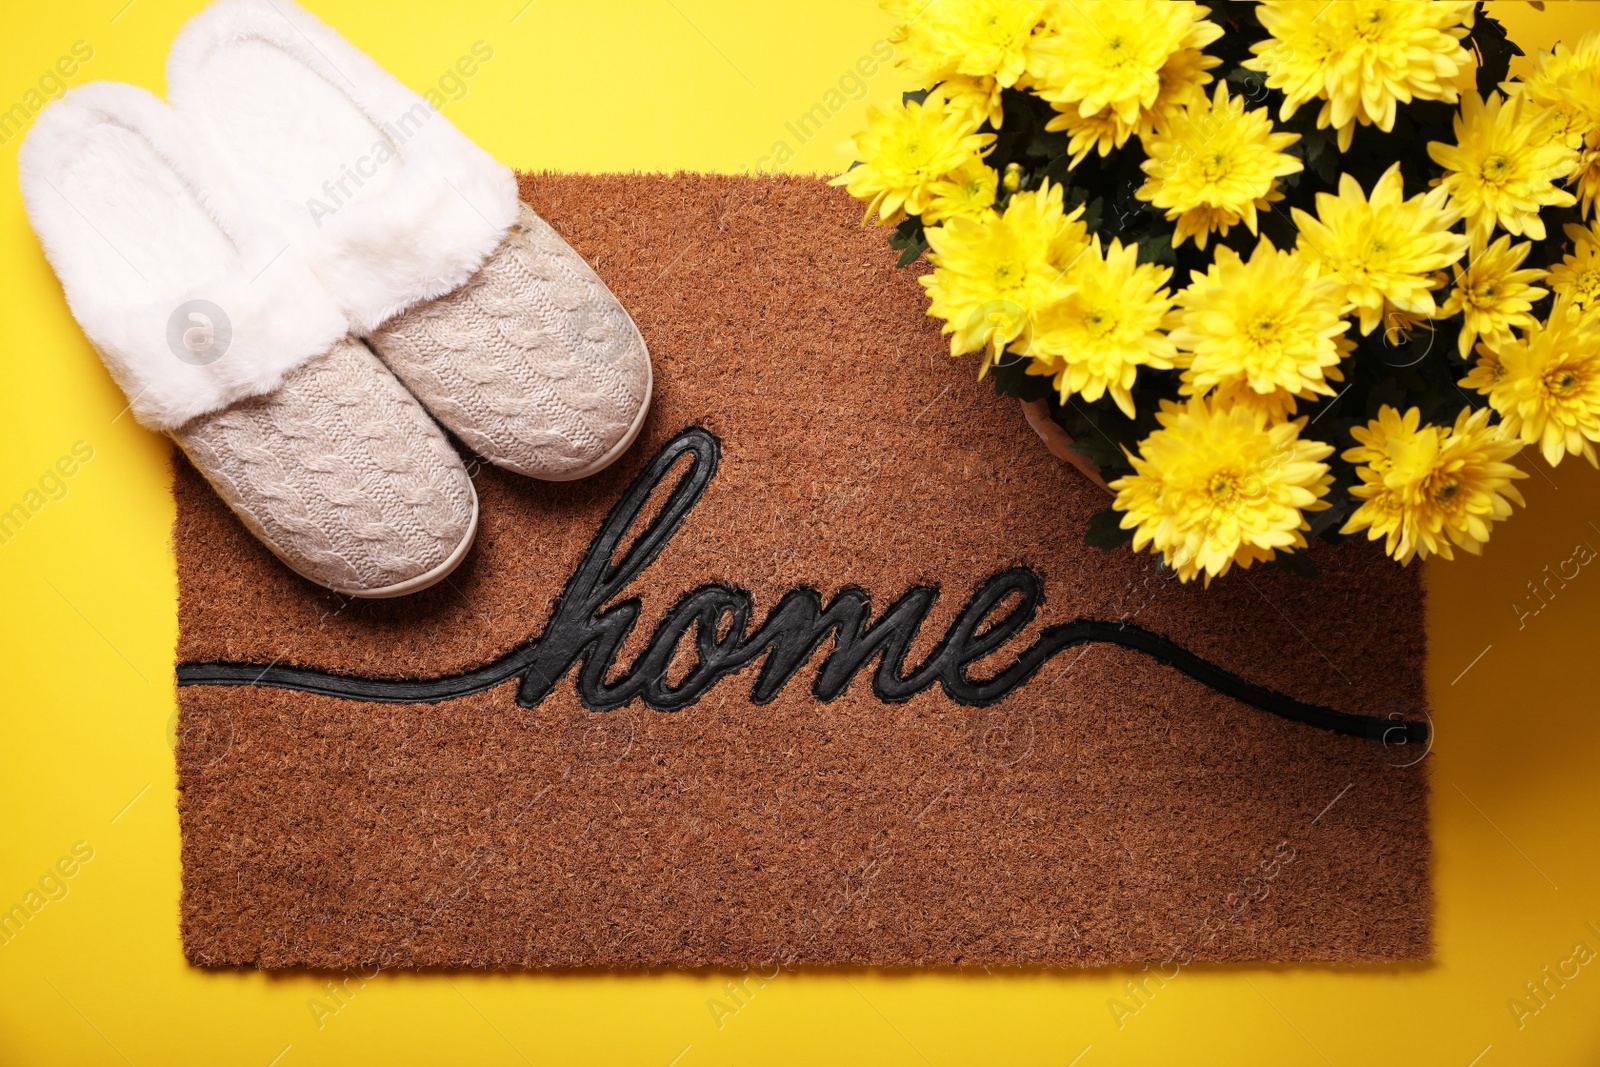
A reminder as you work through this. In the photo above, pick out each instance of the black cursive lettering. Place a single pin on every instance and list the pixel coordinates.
(589, 624)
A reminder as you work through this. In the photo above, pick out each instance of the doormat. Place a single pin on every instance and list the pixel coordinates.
(821, 672)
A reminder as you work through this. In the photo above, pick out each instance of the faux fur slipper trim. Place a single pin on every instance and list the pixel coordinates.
(392, 203)
(191, 303)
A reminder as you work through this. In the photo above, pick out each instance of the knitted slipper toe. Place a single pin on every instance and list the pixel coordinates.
(342, 475)
(533, 363)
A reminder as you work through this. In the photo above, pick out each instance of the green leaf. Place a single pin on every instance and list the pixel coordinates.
(1495, 50)
(1059, 171)
(1105, 531)
(907, 227)
(911, 254)
(1325, 165)
(1092, 214)
(1101, 452)
(1323, 521)
(1157, 248)
(1011, 379)
(1241, 76)
(1048, 143)
(910, 238)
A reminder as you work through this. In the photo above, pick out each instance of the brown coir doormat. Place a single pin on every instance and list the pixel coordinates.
(820, 673)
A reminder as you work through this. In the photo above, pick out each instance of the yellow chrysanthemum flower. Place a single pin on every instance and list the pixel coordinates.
(1546, 384)
(992, 276)
(1561, 85)
(1182, 79)
(1263, 332)
(906, 151)
(1099, 133)
(1405, 331)
(1361, 57)
(1493, 296)
(968, 193)
(912, 51)
(1577, 276)
(1214, 164)
(1107, 324)
(990, 41)
(978, 97)
(1586, 174)
(1494, 172)
(1216, 487)
(1386, 248)
(1486, 373)
(1564, 86)
(1277, 406)
(1426, 487)
(1108, 55)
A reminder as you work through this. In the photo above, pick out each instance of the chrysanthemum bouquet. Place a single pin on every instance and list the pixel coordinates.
(1279, 270)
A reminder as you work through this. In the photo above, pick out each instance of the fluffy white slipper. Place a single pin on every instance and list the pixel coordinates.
(491, 320)
(392, 204)
(136, 225)
(212, 326)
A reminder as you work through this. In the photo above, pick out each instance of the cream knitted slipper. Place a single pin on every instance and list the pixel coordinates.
(219, 336)
(487, 315)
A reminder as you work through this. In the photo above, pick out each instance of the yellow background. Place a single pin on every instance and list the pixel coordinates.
(88, 626)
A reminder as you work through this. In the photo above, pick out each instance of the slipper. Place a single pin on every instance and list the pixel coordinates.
(222, 339)
(491, 320)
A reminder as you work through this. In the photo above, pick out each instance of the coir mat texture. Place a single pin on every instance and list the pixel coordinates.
(821, 672)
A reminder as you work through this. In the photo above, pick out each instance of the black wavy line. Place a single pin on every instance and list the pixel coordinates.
(1393, 731)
